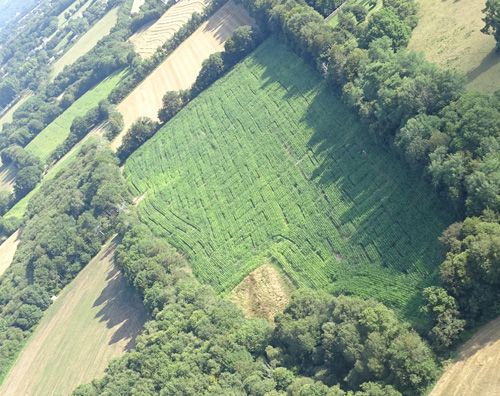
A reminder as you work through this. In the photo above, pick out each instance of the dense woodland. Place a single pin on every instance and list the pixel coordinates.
(199, 343)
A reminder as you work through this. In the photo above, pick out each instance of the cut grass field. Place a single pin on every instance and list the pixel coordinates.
(475, 370)
(180, 69)
(56, 132)
(448, 33)
(94, 319)
(7, 117)
(149, 39)
(7, 251)
(86, 42)
(269, 165)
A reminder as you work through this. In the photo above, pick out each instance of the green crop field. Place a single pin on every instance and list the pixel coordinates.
(56, 132)
(268, 165)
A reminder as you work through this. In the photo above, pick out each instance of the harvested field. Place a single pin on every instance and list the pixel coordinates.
(148, 40)
(7, 251)
(180, 69)
(86, 42)
(7, 177)
(475, 371)
(263, 293)
(136, 6)
(94, 319)
(448, 32)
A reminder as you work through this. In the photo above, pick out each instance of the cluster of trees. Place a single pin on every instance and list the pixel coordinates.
(66, 223)
(104, 112)
(200, 344)
(150, 11)
(241, 43)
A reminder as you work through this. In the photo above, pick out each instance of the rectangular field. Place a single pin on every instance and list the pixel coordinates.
(57, 131)
(86, 42)
(268, 166)
(180, 69)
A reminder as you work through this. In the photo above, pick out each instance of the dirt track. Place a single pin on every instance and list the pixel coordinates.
(93, 320)
(180, 69)
(476, 371)
(148, 40)
(7, 251)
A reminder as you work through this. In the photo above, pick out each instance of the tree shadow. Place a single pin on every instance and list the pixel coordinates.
(491, 60)
(120, 307)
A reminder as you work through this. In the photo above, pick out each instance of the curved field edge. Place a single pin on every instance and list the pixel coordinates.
(267, 166)
(94, 319)
(475, 370)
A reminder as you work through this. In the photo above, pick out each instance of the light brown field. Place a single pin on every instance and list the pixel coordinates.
(94, 319)
(476, 371)
(180, 69)
(7, 251)
(448, 32)
(263, 293)
(149, 39)
(136, 6)
(7, 178)
(86, 42)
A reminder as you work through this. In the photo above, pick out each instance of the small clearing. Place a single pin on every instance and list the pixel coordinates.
(475, 371)
(94, 319)
(7, 177)
(88, 41)
(180, 69)
(149, 39)
(7, 251)
(449, 34)
(136, 6)
(264, 293)
(7, 117)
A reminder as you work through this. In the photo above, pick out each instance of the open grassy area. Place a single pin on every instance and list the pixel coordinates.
(7, 117)
(448, 33)
(86, 42)
(94, 319)
(57, 131)
(268, 166)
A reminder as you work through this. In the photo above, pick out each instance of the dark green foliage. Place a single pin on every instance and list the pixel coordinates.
(8, 91)
(471, 270)
(351, 341)
(386, 23)
(492, 20)
(211, 69)
(138, 133)
(243, 40)
(26, 179)
(173, 102)
(443, 309)
(66, 223)
(114, 125)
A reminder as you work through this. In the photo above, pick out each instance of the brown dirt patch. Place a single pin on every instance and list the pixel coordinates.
(7, 251)
(180, 69)
(264, 293)
(93, 320)
(149, 39)
(476, 369)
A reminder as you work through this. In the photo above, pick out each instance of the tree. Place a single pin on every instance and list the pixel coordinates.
(492, 20)
(211, 69)
(387, 23)
(172, 104)
(26, 179)
(139, 132)
(243, 40)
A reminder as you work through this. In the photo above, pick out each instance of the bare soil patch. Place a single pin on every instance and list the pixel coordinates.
(476, 369)
(7, 251)
(264, 293)
(449, 34)
(180, 69)
(149, 39)
(7, 178)
(94, 319)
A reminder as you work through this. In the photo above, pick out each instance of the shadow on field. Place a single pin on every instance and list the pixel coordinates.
(491, 60)
(120, 307)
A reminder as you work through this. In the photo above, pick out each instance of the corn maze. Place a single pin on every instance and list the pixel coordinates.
(267, 165)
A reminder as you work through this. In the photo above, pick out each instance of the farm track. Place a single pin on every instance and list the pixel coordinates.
(476, 369)
(148, 40)
(7, 251)
(180, 69)
(94, 319)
